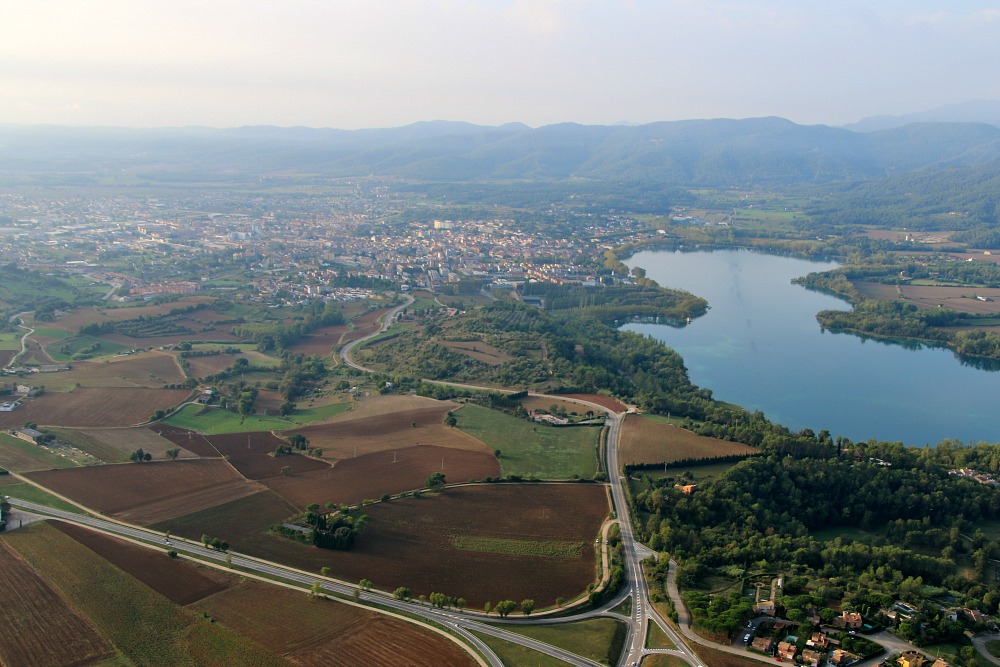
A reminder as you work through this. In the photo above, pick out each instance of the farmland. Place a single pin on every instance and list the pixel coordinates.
(533, 450)
(387, 422)
(387, 472)
(94, 407)
(960, 299)
(148, 492)
(146, 369)
(408, 542)
(478, 350)
(40, 627)
(199, 367)
(647, 441)
(316, 632)
(251, 454)
(113, 445)
(145, 627)
(212, 420)
(322, 341)
(22, 456)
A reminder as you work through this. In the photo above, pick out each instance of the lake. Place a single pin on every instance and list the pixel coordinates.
(760, 346)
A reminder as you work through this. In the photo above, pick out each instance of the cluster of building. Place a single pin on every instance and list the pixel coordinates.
(975, 475)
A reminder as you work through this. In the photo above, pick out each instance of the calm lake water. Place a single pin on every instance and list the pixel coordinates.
(760, 347)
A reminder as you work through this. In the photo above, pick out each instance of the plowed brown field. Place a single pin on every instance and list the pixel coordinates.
(316, 633)
(115, 444)
(250, 453)
(179, 581)
(600, 399)
(189, 440)
(147, 369)
(367, 477)
(39, 627)
(322, 341)
(644, 441)
(379, 424)
(199, 367)
(94, 406)
(960, 299)
(415, 542)
(84, 316)
(149, 492)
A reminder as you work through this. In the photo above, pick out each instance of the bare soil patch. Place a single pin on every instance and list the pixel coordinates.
(532, 403)
(6, 356)
(251, 454)
(479, 351)
(149, 492)
(268, 402)
(960, 299)
(94, 406)
(84, 316)
(318, 633)
(40, 628)
(192, 441)
(368, 477)
(146, 369)
(600, 399)
(321, 341)
(387, 422)
(199, 367)
(179, 581)
(127, 440)
(644, 441)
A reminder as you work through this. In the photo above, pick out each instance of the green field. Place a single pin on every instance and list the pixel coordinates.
(22, 456)
(215, 421)
(63, 351)
(699, 473)
(10, 341)
(147, 628)
(533, 450)
(500, 545)
(33, 494)
(515, 655)
(593, 639)
(657, 638)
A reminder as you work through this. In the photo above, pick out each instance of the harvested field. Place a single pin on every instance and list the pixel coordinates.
(39, 626)
(84, 316)
(149, 492)
(217, 333)
(199, 367)
(118, 443)
(6, 356)
(268, 401)
(242, 522)
(532, 403)
(408, 542)
(22, 456)
(379, 424)
(179, 581)
(352, 480)
(479, 351)
(322, 341)
(600, 399)
(146, 369)
(318, 633)
(94, 406)
(370, 319)
(250, 453)
(192, 441)
(645, 441)
(959, 299)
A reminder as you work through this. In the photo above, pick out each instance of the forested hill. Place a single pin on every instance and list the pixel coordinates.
(719, 152)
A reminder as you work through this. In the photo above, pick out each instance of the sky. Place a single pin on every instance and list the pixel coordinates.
(386, 63)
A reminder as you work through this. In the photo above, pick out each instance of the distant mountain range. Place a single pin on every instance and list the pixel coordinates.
(980, 111)
(714, 153)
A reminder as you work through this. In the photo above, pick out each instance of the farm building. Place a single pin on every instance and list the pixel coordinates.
(9, 406)
(29, 434)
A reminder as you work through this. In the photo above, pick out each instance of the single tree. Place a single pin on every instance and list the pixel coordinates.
(325, 571)
(402, 593)
(317, 589)
(527, 606)
(459, 603)
(435, 481)
(504, 607)
(487, 608)
(173, 453)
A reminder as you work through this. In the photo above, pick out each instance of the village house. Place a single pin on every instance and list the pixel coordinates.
(811, 657)
(848, 619)
(842, 657)
(818, 640)
(28, 434)
(786, 651)
(763, 644)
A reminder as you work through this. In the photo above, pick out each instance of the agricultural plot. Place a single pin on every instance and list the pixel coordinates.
(253, 455)
(177, 580)
(322, 341)
(317, 633)
(600, 399)
(214, 420)
(187, 439)
(146, 369)
(647, 441)
(479, 351)
(39, 626)
(546, 403)
(199, 367)
(409, 542)
(21, 456)
(149, 492)
(388, 422)
(387, 472)
(959, 299)
(113, 445)
(145, 627)
(81, 317)
(531, 449)
(94, 407)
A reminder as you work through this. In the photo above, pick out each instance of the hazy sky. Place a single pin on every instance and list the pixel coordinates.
(380, 63)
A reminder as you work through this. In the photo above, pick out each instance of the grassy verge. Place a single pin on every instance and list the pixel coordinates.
(144, 626)
(533, 450)
(216, 421)
(500, 545)
(599, 639)
(515, 655)
(657, 638)
(25, 491)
